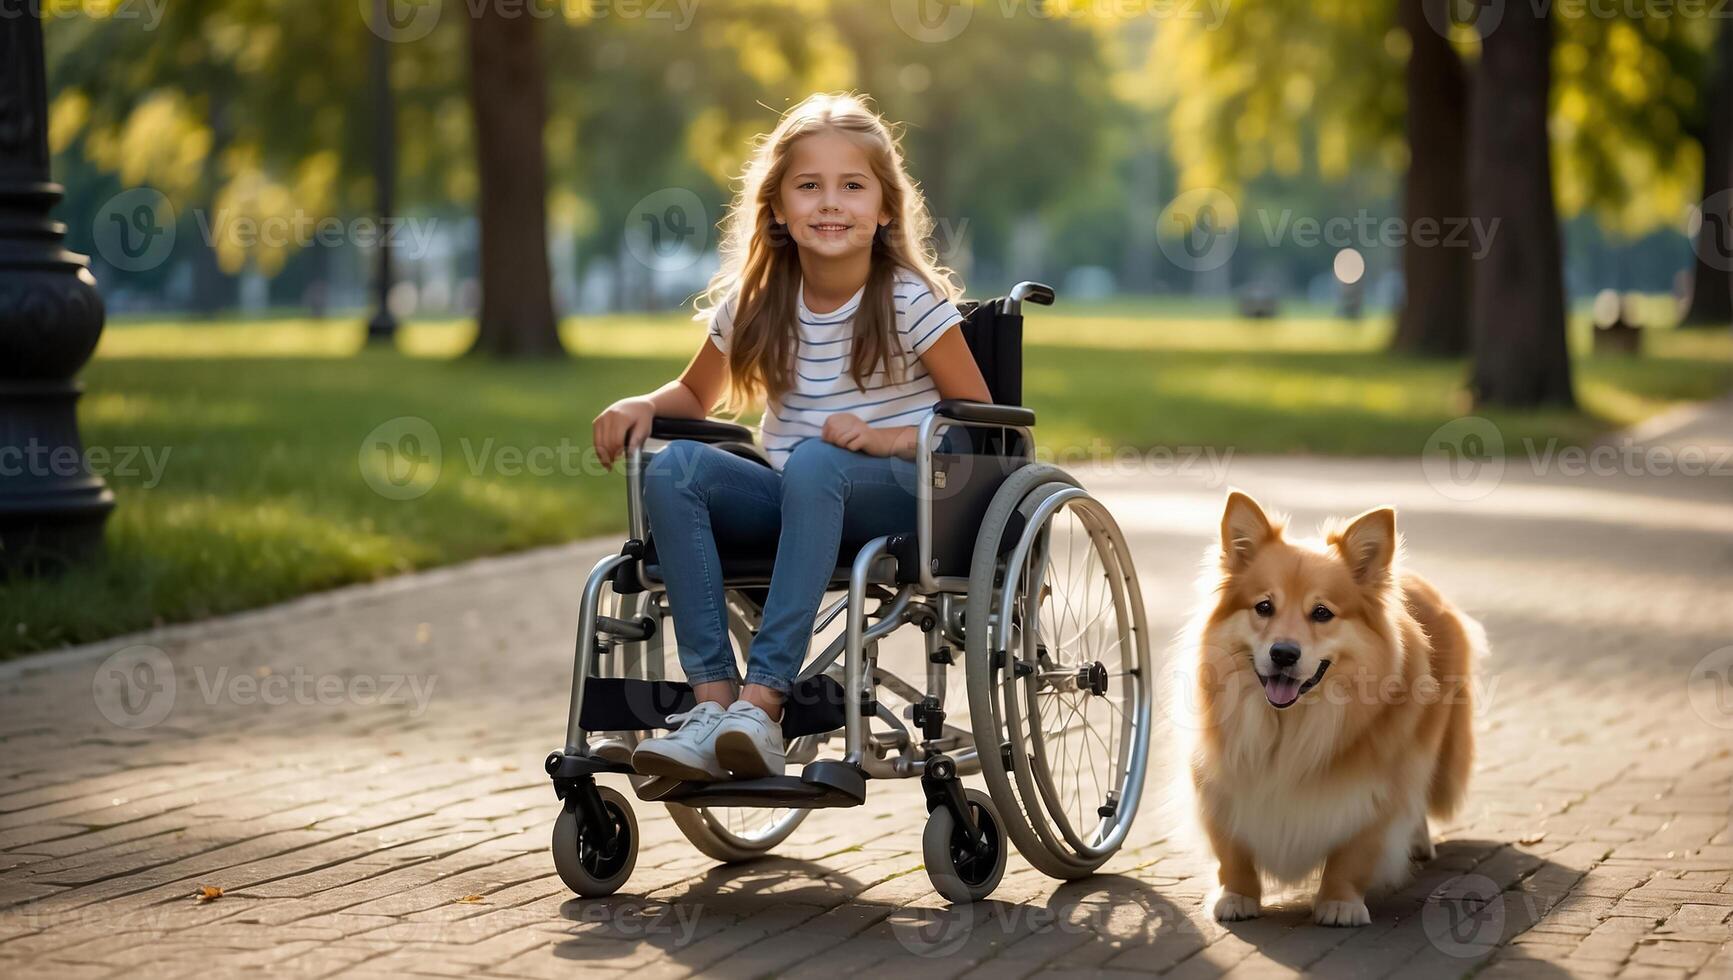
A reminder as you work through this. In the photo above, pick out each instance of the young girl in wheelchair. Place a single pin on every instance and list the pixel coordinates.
(831, 309)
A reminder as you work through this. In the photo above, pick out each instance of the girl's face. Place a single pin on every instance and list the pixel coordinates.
(829, 198)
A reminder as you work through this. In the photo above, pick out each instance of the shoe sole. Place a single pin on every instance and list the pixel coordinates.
(647, 764)
(656, 787)
(740, 756)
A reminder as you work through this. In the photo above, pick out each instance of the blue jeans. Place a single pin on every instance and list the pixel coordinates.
(701, 501)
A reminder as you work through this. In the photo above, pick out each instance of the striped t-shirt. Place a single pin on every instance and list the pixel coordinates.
(822, 385)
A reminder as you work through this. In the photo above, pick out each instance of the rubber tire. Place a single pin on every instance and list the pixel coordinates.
(941, 863)
(582, 880)
(692, 825)
(977, 659)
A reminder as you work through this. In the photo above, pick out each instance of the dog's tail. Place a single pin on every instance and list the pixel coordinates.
(1456, 753)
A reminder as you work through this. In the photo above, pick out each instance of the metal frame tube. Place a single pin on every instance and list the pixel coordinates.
(577, 742)
(855, 682)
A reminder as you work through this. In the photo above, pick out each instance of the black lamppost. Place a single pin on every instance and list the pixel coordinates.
(383, 327)
(51, 507)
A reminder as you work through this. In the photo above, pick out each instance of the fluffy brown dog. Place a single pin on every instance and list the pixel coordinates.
(1335, 707)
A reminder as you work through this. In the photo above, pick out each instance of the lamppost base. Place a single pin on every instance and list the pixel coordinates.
(52, 508)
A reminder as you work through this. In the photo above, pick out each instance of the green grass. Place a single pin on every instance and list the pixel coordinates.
(262, 495)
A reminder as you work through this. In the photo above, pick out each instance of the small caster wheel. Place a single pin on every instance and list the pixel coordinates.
(587, 869)
(958, 870)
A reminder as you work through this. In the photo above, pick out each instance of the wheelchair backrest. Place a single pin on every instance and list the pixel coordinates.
(996, 339)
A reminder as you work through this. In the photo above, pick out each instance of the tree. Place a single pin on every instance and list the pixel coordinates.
(508, 99)
(1711, 301)
(1433, 320)
(1518, 311)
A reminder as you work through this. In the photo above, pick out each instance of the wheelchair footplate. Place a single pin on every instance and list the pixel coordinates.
(814, 706)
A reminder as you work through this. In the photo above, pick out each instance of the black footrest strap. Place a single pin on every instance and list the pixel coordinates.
(613, 704)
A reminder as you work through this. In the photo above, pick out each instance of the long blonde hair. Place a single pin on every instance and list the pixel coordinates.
(761, 264)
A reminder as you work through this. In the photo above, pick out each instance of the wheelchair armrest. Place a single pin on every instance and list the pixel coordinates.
(699, 430)
(983, 412)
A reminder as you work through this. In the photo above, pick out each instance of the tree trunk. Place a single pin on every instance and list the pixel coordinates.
(212, 288)
(1433, 321)
(1711, 300)
(508, 97)
(1518, 307)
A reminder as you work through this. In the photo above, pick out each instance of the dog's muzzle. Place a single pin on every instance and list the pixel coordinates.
(1283, 689)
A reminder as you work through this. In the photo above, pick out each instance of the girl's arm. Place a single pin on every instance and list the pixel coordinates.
(955, 373)
(625, 424)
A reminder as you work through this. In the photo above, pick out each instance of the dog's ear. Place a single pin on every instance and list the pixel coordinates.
(1245, 529)
(1368, 545)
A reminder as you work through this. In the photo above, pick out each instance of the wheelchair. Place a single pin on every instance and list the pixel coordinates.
(1012, 564)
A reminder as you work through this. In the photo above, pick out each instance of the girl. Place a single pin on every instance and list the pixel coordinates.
(830, 307)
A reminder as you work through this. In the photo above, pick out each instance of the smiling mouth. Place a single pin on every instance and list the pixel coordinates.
(1284, 689)
(828, 228)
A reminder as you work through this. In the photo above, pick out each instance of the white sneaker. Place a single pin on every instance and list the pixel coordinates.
(748, 743)
(612, 748)
(688, 752)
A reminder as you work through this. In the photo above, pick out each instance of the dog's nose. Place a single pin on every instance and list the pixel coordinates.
(1285, 654)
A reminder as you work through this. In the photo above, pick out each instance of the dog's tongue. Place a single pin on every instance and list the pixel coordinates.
(1281, 690)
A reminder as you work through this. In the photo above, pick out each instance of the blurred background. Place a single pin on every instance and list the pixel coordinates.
(1273, 226)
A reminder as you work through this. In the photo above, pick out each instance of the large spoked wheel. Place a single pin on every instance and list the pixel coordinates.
(724, 833)
(964, 869)
(1059, 672)
(587, 865)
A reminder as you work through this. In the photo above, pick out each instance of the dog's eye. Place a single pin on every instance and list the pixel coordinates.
(1322, 615)
(1265, 608)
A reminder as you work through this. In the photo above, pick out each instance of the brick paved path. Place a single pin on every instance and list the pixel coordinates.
(360, 823)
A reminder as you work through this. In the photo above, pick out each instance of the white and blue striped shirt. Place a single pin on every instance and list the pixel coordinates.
(822, 385)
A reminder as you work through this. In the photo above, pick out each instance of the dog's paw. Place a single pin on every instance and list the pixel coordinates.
(1341, 914)
(1422, 851)
(1229, 907)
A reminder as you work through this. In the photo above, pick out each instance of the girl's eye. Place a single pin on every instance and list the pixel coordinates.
(810, 183)
(857, 185)
(1321, 614)
(1265, 608)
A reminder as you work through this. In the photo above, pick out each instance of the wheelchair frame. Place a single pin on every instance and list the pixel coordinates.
(596, 837)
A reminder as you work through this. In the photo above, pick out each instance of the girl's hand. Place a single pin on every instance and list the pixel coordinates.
(622, 426)
(848, 431)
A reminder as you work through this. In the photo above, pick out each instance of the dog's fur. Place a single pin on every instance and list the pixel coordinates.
(1343, 775)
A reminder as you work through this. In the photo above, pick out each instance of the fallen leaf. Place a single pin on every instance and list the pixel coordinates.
(509, 767)
(471, 900)
(1532, 838)
(208, 893)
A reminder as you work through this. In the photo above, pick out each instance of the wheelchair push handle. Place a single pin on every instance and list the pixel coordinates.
(1035, 292)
